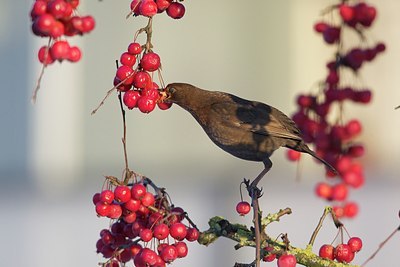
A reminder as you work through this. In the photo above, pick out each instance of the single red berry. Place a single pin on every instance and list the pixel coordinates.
(380, 47)
(182, 249)
(45, 23)
(269, 256)
(132, 205)
(331, 34)
(74, 3)
(327, 251)
(74, 54)
(135, 249)
(353, 179)
(107, 251)
(148, 8)
(115, 211)
(339, 192)
(287, 260)
(44, 55)
(343, 253)
(122, 193)
(147, 256)
(350, 209)
(131, 98)
(141, 79)
(150, 61)
(138, 191)
(57, 8)
(356, 151)
(146, 235)
(353, 127)
(135, 6)
(134, 49)
(88, 24)
(243, 208)
(176, 10)
(320, 27)
(192, 234)
(339, 211)
(159, 262)
(58, 30)
(169, 253)
(147, 199)
(124, 256)
(39, 8)
(178, 231)
(102, 209)
(164, 105)
(120, 86)
(146, 104)
(323, 190)
(125, 74)
(293, 155)
(127, 59)
(150, 92)
(346, 12)
(163, 4)
(305, 101)
(96, 198)
(107, 237)
(129, 217)
(343, 163)
(161, 231)
(107, 196)
(60, 50)
(355, 244)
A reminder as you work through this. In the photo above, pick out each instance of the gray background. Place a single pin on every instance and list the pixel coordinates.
(54, 154)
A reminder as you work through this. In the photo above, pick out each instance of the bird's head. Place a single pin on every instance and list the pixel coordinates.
(178, 93)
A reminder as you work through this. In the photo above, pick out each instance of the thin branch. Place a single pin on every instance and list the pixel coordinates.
(44, 65)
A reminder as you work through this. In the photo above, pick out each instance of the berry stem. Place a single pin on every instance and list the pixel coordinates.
(44, 65)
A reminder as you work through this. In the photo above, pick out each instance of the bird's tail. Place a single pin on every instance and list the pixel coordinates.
(304, 148)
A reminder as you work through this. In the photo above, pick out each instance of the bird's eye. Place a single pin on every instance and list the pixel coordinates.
(171, 90)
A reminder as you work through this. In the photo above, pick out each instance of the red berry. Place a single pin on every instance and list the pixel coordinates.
(169, 253)
(58, 30)
(120, 86)
(148, 8)
(102, 209)
(353, 128)
(192, 234)
(353, 179)
(138, 191)
(151, 93)
(343, 253)
(320, 27)
(327, 251)
(163, 4)
(150, 61)
(74, 3)
(45, 23)
(350, 209)
(331, 34)
(146, 235)
(380, 47)
(127, 59)
(135, 6)
(243, 208)
(39, 8)
(323, 190)
(134, 49)
(96, 198)
(147, 199)
(178, 231)
(57, 8)
(147, 256)
(44, 55)
(125, 74)
(135, 249)
(107, 196)
(122, 193)
(293, 155)
(146, 104)
(182, 249)
(355, 244)
(287, 260)
(131, 98)
(346, 12)
(141, 79)
(161, 231)
(124, 256)
(339, 192)
(88, 24)
(176, 10)
(269, 256)
(74, 54)
(60, 50)
(305, 101)
(129, 218)
(132, 205)
(164, 105)
(339, 211)
(115, 211)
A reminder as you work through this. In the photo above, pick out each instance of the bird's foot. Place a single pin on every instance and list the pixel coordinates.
(254, 191)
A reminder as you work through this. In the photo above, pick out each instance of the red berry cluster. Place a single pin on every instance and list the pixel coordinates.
(144, 224)
(137, 84)
(342, 252)
(56, 19)
(149, 8)
(336, 142)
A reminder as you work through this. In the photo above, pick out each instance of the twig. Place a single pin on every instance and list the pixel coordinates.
(44, 65)
(380, 246)
(327, 210)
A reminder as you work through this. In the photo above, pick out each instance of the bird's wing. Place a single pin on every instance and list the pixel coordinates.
(255, 117)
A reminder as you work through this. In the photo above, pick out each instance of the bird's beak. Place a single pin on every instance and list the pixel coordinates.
(164, 95)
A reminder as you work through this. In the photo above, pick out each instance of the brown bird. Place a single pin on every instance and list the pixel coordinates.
(246, 129)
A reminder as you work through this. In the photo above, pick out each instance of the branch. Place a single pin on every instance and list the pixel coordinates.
(219, 227)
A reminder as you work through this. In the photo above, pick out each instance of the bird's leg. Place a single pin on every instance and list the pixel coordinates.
(255, 193)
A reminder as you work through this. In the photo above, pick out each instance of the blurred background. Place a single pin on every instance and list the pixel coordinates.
(54, 154)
